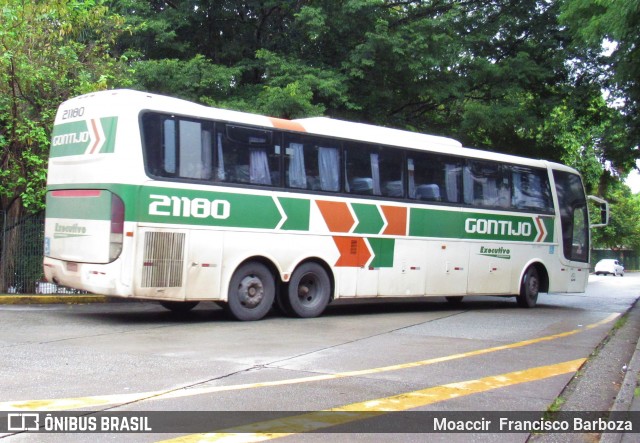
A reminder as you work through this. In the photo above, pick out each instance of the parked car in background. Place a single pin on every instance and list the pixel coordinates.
(609, 266)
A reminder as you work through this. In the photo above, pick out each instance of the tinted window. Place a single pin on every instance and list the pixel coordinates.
(187, 148)
(373, 170)
(247, 155)
(434, 177)
(176, 147)
(312, 163)
(487, 184)
(531, 189)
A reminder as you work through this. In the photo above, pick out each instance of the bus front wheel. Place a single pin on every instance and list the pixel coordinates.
(309, 290)
(529, 288)
(251, 292)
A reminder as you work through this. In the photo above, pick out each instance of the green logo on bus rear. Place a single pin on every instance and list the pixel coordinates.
(95, 136)
(66, 231)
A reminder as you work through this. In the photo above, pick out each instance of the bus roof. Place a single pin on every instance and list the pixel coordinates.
(371, 133)
(321, 126)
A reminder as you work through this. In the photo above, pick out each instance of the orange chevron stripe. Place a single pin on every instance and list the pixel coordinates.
(286, 124)
(396, 220)
(336, 215)
(353, 251)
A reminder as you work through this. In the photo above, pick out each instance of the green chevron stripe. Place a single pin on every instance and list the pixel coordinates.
(369, 219)
(383, 249)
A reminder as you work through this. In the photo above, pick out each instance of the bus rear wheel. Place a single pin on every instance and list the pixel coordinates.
(529, 288)
(251, 292)
(309, 290)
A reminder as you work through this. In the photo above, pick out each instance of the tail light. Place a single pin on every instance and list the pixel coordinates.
(117, 227)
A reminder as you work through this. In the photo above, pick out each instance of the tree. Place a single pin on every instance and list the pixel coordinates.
(623, 230)
(49, 51)
(608, 33)
(492, 73)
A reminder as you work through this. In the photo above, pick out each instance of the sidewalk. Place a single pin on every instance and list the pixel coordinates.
(627, 398)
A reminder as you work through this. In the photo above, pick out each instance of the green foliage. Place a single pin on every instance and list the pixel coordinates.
(50, 52)
(196, 79)
(623, 229)
(608, 32)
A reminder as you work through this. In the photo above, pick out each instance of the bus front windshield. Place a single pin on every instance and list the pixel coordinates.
(574, 218)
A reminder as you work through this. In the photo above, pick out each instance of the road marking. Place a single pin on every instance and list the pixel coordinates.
(106, 400)
(315, 421)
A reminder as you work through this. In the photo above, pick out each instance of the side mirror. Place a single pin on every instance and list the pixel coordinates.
(604, 211)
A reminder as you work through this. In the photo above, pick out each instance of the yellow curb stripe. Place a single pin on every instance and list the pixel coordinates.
(51, 299)
(104, 400)
(314, 421)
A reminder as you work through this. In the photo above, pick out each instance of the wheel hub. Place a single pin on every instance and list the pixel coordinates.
(305, 290)
(251, 291)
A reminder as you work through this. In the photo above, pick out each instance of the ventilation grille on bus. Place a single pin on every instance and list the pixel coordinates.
(163, 259)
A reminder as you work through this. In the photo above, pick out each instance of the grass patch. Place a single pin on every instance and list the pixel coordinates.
(554, 407)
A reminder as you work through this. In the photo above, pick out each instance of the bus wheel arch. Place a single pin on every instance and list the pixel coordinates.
(309, 290)
(252, 289)
(534, 279)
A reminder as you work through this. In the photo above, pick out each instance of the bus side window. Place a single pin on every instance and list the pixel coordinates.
(391, 170)
(434, 177)
(195, 150)
(169, 153)
(247, 155)
(311, 163)
(373, 170)
(486, 185)
(159, 142)
(176, 147)
(531, 189)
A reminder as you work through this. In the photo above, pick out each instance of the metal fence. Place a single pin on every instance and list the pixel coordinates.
(21, 251)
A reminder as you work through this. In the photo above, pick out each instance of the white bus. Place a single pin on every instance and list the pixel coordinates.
(152, 197)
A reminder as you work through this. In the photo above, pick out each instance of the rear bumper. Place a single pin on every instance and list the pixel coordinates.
(95, 278)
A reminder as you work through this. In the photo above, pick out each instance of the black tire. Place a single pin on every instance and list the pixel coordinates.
(529, 288)
(309, 290)
(179, 306)
(251, 292)
(454, 299)
(282, 304)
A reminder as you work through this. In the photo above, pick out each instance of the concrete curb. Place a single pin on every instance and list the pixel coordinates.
(51, 299)
(626, 400)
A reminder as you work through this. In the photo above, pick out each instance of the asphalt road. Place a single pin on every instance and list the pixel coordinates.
(485, 354)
